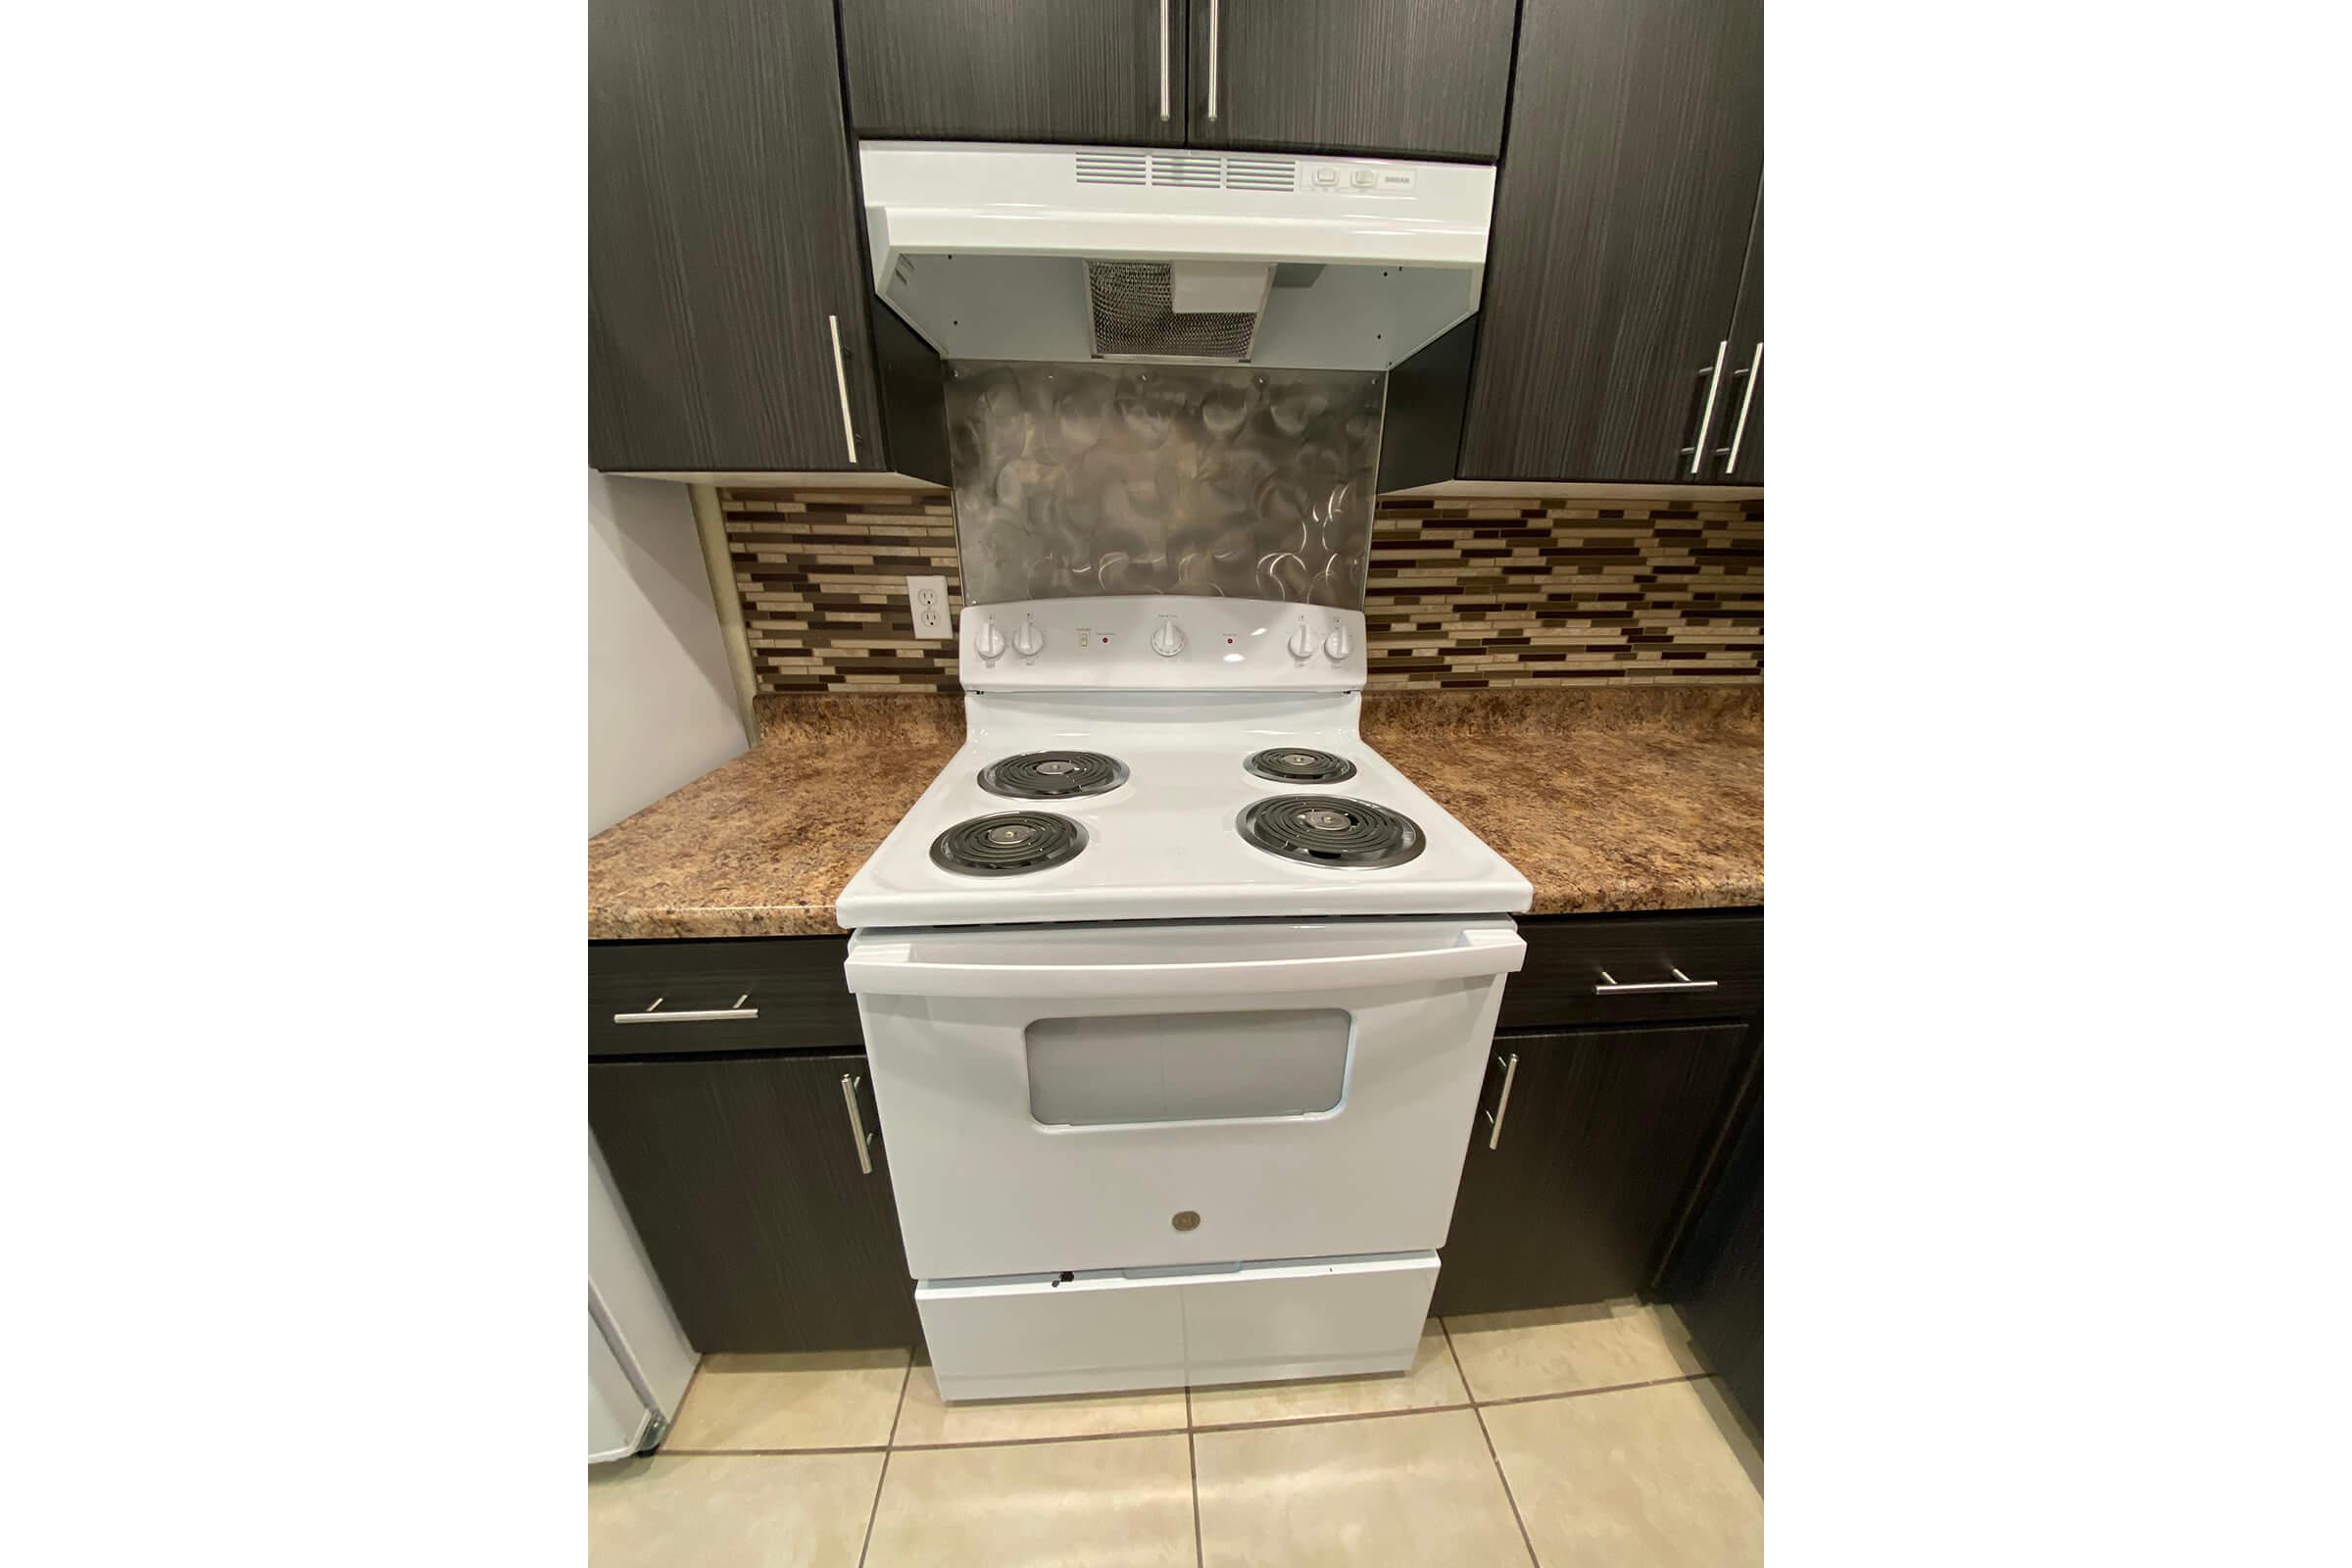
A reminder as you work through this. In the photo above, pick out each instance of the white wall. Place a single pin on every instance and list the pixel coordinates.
(661, 700)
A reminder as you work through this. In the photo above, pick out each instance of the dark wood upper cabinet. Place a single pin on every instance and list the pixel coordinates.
(1739, 454)
(1080, 71)
(1407, 79)
(725, 256)
(742, 1179)
(1622, 218)
(1604, 1138)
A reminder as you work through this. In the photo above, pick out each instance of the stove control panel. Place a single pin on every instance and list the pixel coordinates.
(1161, 642)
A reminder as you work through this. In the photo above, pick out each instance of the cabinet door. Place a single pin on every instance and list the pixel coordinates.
(1414, 78)
(724, 252)
(1621, 219)
(1603, 1135)
(742, 1176)
(1739, 456)
(1717, 1283)
(1084, 71)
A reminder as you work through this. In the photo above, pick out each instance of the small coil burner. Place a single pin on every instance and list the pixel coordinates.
(1296, 764)
(1331, 830)
(1053, 775)
(1008, 844)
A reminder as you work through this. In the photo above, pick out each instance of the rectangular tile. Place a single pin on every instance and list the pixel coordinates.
(1124, 1501)
(829, 1399)
(1401, 1488)
(1635, 1478)
(925, 1418)
(803, 1511)
(1508, 1355)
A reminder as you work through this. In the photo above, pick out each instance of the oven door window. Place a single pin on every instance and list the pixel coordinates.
(1187, 1066)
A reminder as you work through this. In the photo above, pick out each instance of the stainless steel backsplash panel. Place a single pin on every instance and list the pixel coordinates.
(1078, 479)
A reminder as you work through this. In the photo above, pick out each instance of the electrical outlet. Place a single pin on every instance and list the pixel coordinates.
(929, 597)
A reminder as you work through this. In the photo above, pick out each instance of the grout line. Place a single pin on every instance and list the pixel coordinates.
(1192, 1463)
(1468, 1393)
(763, 1453)
(875, 1512)
(882, 1477)
(1326, 1420)
(1611, 1387)
(1033, 1443)
(1508, 1495)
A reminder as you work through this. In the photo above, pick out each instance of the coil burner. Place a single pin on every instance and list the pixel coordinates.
(1008, 844)
(1331, 830)
(1296, 764)
(1053, 775)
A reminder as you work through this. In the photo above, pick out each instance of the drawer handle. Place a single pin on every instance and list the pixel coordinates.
(652, 1014)
(848, 1098)
(1680, 982)
(1502, 1105)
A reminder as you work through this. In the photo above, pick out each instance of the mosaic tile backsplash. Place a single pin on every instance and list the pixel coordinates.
(1080, 479)
(1460, 590)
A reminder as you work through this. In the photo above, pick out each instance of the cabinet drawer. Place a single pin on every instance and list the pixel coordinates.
(792, 987)
(1616, 969)
(994, 1338)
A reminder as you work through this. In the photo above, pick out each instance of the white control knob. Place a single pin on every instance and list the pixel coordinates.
(1336, 645)
(1028, 640)
(1168, 641)
(990, 644)
(1302, 642)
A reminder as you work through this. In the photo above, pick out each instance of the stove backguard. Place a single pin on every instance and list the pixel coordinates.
(1078, 479)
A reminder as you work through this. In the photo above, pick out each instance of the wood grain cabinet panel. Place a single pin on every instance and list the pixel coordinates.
(1622, 215)
(1603, 1139)
(1717, 1282)
(1738, 453)
(724, 241)
(1411, 78)
(1077, 70)
(742, 1177)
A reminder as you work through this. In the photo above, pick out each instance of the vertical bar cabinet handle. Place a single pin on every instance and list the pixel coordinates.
(1164, 59)
(1748, 395)
(1213, 62)
(1502, 1105)
(1707, 414)
(841, 380)
(848, 1098)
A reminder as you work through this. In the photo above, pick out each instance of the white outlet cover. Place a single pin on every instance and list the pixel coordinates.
(928, 596)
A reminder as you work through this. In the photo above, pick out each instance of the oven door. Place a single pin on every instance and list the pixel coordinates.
(1114, 1097)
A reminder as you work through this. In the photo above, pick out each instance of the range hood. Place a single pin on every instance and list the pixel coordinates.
(995, 252)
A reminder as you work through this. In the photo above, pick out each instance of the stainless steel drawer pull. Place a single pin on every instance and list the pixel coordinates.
(841, 380)
(1164, 59)
(1213, 62)
(1502, 1106)
(1680, 982)
(1747, 396)
(848, 1098)
(1707, 414)
(654, 1014)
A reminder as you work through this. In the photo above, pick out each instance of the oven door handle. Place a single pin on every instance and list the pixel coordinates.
(888, 968)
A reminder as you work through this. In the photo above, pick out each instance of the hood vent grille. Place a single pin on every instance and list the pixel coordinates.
(1187, 171)
(1135, 316)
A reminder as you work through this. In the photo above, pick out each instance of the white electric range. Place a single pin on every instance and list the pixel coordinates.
(1178, 1001)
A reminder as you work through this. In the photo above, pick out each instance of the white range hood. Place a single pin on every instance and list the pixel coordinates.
(997, 252)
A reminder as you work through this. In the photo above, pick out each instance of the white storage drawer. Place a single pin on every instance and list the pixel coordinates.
(994, 1338)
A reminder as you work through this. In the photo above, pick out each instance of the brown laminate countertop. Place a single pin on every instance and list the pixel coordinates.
(1630, 798)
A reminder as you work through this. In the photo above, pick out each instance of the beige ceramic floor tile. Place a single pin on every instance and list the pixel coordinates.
(1126, 1501)
(1506, 1356)
(1400, 1488)
(1433, 1381)
(1635, 1478)
(806, 1510)
(834, 1400)
(926, 1419)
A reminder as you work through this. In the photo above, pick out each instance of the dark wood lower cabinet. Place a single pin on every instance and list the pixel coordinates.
(741, 1174)
(1717, 1281)
(1604, 1139)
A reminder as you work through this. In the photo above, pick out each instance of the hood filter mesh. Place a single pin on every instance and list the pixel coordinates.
(1135, 317)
